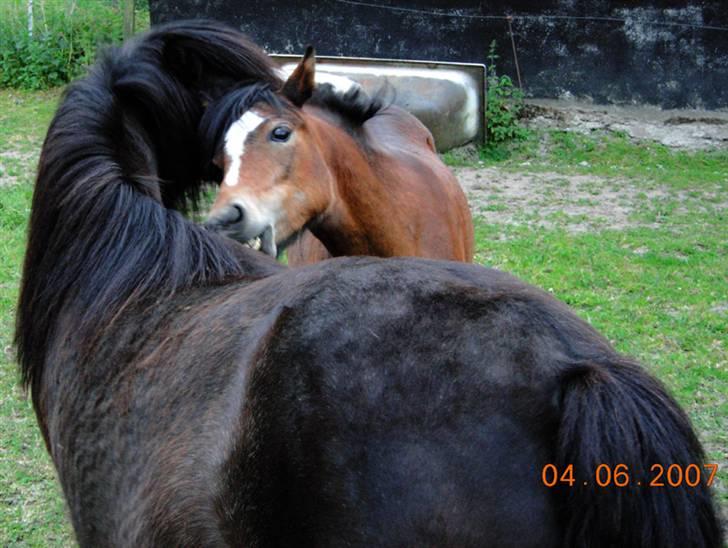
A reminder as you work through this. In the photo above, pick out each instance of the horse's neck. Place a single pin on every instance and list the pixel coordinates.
(351, 224)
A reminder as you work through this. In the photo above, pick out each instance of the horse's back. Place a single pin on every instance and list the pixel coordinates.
(426, 191)
(421, 400)
(395, 129)
(429, 443)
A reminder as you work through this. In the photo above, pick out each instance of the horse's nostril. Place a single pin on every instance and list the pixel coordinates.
(239, 212)
(231, 215)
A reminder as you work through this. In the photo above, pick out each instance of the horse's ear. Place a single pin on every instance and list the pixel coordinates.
(299, 86)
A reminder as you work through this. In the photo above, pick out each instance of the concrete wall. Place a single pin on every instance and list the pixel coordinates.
(669, 53)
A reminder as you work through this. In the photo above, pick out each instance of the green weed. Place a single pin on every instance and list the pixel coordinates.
(67, 35)
(504, 102)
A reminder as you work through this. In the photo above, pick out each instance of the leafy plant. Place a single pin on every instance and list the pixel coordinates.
(504, 104)
(66, 37)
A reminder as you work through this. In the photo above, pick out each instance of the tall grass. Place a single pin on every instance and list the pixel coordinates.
(67, 35)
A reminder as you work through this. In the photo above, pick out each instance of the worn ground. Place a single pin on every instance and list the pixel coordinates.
(630, 233)
(576, 203)
(687, 129)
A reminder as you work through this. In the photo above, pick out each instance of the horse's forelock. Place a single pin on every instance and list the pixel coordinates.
(223, 113)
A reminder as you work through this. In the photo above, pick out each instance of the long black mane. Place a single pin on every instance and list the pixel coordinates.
(120, 158)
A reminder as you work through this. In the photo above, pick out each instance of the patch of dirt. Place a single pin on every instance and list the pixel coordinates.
(577, 203)
(685, 129)
(14, 158)
(5, 179)
(15, 155)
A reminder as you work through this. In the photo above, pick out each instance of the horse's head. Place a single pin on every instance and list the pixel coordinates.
(275, 179)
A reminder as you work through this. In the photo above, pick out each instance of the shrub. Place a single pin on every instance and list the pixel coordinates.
(504, 104)
(66, 37)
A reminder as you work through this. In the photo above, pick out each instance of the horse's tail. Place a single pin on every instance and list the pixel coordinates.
(620, 427)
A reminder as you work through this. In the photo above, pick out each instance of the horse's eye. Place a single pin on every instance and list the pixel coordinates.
(280, 134)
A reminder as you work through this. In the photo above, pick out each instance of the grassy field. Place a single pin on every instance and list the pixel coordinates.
(31, 508)
(656, 287)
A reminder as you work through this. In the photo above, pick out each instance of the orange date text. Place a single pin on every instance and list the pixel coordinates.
(619, 475)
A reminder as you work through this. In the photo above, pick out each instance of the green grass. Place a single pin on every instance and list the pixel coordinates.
(24, 118)
(607, 155)
(32, 512)
(658, 292)
(655, 297)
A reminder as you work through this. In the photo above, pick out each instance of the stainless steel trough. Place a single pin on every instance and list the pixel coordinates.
(448, 98)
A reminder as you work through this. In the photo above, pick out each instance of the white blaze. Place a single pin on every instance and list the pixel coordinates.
(235, 143)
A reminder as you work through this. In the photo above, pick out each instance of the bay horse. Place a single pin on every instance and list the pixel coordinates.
(194, 392)
(363, 177)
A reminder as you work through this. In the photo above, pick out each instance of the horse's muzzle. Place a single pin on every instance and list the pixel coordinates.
(227, 216)
(231, 221)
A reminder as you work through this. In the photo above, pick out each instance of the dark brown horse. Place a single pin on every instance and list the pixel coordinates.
(193, 392)
(362, 177)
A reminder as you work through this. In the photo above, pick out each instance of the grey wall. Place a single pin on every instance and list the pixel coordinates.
(669, 53)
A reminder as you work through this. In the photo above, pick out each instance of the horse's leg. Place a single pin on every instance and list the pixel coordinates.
(306, 250)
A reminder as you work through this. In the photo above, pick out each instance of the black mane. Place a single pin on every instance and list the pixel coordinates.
(355, 106)
(120, 155)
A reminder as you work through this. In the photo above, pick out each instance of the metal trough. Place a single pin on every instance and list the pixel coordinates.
(448, 98)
